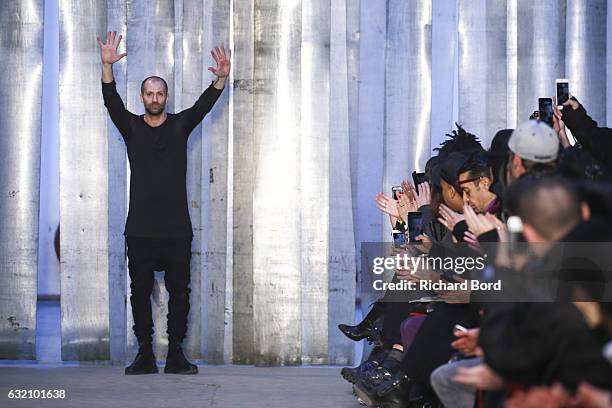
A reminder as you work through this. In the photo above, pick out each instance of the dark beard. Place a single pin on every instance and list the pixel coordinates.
(161, 111)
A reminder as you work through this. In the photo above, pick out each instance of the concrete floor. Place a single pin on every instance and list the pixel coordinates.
(214, 386)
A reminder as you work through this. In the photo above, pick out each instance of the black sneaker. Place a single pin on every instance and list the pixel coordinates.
(144, 363)
(176, 363)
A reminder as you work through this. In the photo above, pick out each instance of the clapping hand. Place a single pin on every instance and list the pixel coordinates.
(449, 218)
(387, 205)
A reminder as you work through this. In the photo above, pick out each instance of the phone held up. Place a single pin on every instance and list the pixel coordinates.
(545, 106)
(396, 191)
(562, 87)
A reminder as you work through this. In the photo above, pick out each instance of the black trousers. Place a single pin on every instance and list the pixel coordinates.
(172, 255)
(431, 346)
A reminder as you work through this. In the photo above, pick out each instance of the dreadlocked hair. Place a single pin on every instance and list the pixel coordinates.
(459, 141)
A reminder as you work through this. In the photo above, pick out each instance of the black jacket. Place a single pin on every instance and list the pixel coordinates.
(596, 140)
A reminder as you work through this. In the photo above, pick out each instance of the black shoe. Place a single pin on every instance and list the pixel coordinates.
(351, 374)
(176, 363)
(364, 330)
(376, 357)
(372, 378)
(144, 363)
(394, 392)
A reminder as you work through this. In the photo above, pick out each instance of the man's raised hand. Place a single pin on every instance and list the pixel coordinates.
(108, 49)
(223, 61)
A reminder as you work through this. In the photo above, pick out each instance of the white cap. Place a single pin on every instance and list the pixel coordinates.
(534, 141)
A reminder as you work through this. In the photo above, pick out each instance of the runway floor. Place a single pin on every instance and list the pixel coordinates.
(228, 386)
(214, 386)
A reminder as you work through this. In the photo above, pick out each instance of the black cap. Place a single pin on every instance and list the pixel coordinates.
(450, 165)
(434, 173)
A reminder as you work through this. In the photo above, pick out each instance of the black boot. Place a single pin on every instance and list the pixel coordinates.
(144, 363)
(366, 328)
(376, 357)
(176, 363)
(394, 392)
(381, 373)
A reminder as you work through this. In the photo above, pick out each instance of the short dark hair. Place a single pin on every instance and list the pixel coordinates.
(549, 204)
(477, 166)
(155, 77)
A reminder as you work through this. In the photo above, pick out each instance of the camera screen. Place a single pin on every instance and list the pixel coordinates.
(399, 238)
(546, 110)
(396, 190)
(562, 92)
(415, 225)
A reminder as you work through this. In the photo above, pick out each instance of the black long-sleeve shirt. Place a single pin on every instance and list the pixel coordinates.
(158, 163)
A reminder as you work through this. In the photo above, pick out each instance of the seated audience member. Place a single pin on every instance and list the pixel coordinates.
(476, 180)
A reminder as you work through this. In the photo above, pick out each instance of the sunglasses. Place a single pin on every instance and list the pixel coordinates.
(460, 183)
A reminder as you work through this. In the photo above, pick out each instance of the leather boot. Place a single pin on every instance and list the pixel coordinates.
(376, 357)
(144, 363)
(176, 363)
(365, 329)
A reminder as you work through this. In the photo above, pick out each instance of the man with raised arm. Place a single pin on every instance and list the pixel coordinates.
(158, 229)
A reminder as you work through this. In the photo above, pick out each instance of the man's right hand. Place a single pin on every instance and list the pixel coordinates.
(108, 50)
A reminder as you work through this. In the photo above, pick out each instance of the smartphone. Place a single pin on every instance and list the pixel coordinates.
(399, 238)
(460, 328)
(563, 94)
(395, 191)
(415, 226)
(418, 178)
(545, 106)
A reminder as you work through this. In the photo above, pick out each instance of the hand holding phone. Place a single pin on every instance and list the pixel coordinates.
(418, 178)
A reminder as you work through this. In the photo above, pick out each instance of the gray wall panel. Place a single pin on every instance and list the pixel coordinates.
(21, 54)
(586, 54)
(314, 174)
(244, 169)
(407, 92)
(541, 52)
(276, 227)
(215, 173)
(371, 129)
(83, 185)
(443, 56)
(190, 52)
(482, 46)
(353, 9)
(117, 199)
(341, 290)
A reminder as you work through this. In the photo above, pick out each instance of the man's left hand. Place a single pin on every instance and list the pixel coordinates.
(223, 61)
